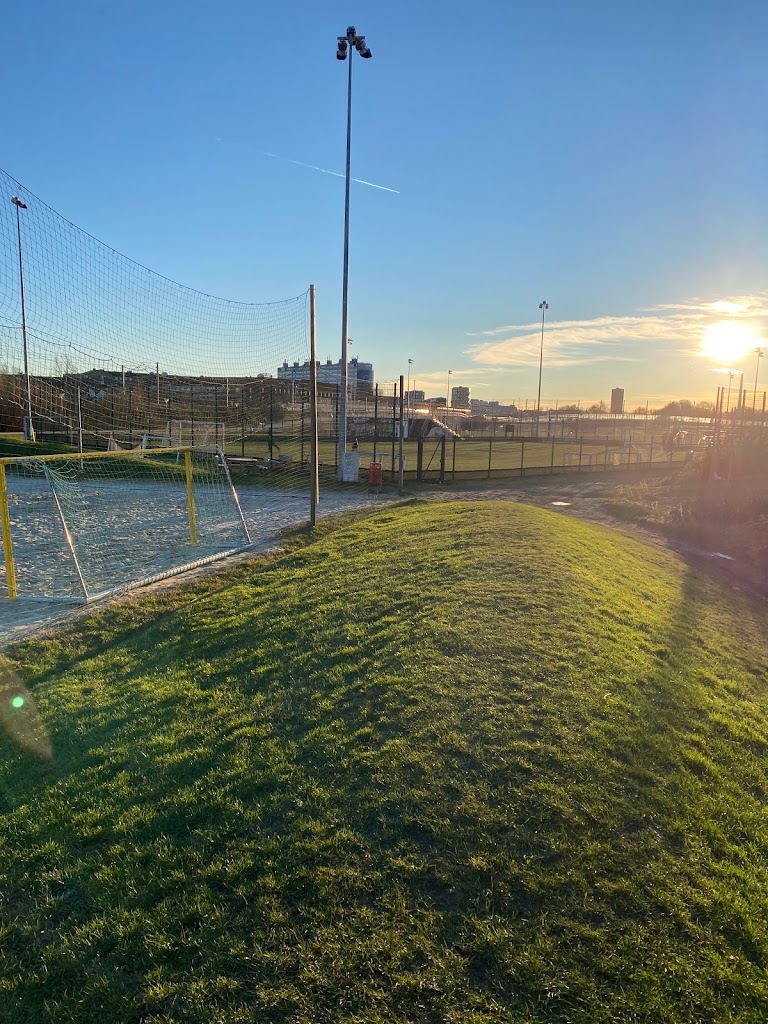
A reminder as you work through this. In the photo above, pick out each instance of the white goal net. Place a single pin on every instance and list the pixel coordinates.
(81, 527)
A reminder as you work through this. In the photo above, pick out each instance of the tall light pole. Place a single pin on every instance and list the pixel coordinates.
(448, 393)
(29, 430)
(543, 306)
(408, 390)
(731, 375)
(346, 42)
(759, 354)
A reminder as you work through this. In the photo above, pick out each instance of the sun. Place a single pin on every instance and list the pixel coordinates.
(727, 342)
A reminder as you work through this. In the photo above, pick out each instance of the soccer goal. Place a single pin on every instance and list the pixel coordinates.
(83, 526)
(582, 458)
(197, 433)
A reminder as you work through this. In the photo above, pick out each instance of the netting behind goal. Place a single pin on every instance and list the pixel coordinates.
(80, 528)
(118, 353)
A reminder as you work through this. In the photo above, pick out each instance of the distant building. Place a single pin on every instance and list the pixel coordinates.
(359, 375)
(617, 401)
(412, 397)
(481, 407)
(460, 397)
(436, 403)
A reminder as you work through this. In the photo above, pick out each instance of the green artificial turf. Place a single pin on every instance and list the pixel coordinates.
(462, 763)
(463, 456)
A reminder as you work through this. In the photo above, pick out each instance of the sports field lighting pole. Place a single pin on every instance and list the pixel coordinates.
(29, 430)
(759, 354)
(347, 42)
(448, 392)
(543, 306)
(731, 375)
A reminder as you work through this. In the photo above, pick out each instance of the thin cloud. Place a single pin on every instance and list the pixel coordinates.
(335, 174)
(672, 327)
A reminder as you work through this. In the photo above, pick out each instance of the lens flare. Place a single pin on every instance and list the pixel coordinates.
(19, 718)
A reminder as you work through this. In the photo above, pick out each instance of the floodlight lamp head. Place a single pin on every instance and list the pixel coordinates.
(17, 202)
(341, 52)
(543, 305)
(351, 33)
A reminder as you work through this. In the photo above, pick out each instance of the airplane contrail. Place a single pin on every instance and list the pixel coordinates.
(312, 167)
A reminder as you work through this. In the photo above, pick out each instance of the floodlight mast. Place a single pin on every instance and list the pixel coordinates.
(346, 43)
(543, 306)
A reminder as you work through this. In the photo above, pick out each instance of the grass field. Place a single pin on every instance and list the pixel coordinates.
(446, 763)
(474, 456)
(14, 445)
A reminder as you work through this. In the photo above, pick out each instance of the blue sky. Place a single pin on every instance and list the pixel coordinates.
(611, 158)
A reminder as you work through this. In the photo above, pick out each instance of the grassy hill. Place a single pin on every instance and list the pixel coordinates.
(451, 763)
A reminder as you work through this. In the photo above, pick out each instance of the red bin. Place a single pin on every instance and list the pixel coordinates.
(374, 474)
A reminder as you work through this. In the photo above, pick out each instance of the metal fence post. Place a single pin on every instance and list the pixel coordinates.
(401, 458)
(552, 460)
(522, 456)
(242, 420)
(375, 420)
(394, 420)
(190, 496)
(490, 456)
(314, 447)
(5, 520)
(442, 459)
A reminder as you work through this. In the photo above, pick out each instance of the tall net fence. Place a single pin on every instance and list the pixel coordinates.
(120, 357)
(78, 528)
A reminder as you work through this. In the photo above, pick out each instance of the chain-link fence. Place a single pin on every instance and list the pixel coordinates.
(444, 459)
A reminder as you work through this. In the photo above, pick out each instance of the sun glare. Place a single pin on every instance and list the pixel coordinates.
(726, 306)
(727, 342)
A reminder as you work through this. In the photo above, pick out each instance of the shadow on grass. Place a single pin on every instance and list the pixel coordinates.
(297, 815)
